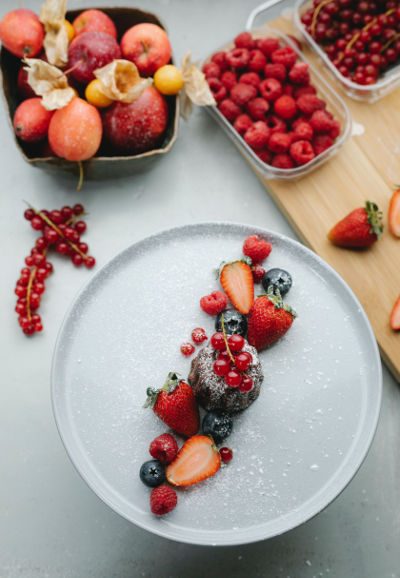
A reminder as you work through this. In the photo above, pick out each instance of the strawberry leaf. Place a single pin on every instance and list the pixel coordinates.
(374, 218)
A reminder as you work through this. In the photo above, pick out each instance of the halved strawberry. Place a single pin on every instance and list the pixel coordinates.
(394, 214)
(237, 281)
(395, 316)
(197, 460)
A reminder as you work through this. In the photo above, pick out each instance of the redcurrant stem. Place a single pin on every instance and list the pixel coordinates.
(226, 340)
(357, 35)
(393, 39)
(316, 14)
(32, 276)
(50, 223)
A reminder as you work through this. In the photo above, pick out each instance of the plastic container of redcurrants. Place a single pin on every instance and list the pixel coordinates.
(106, 163)
(385, 42)
(333, 103)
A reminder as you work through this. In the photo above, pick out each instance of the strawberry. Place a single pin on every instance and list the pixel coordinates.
(269, 319)
(236, 279)
(175, 403)
(360, 229)
(395, 316)
(394, 214)
(197, 460)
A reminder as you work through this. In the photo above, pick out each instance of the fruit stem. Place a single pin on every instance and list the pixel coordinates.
(225, 339)
(316, 14)
(357, 35)
(50, 223)
(81, 177)
(393, 39)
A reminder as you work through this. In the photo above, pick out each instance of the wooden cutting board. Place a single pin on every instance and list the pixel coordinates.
(366, 168)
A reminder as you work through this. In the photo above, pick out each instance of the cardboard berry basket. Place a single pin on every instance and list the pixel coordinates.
(388, 82)
(104, 163)
(335, 105)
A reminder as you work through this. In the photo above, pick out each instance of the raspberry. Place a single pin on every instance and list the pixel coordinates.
(258, 273)
(242, 93)
(217, 88)
(229, 109)
(238, 57)
(288, 90)
(257, 135)
(256, 248)
(214, 303)
(268, 45)
(309, 103)
(303, 131)
(302, 90)
(220, 59)
(229, 79)
(199, 335)
(275, 124)
(285, 56)
(257, 61)
(163, 500)
(187, 349)
(257, 108)
(211, 70)
(300, 73)
(279, 142)
(302, 152)
(250, 78)
(271, 89)
(277, 71)
(164, 448)
(285, 107)
(282, 162)
(321, 121)
(321, 143)
(335, 130)
(242, 123)
(244, 40)
(264, 156)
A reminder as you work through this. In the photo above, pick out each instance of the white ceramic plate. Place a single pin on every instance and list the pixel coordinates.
(295, 448)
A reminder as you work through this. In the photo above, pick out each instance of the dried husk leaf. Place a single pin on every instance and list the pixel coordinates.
(195, 90)
(52, 16)
(49, 82)
(121, 81)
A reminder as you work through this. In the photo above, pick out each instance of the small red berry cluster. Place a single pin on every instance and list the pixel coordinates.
(199, 335)
(231, 362)
(60, 230)
(361, 37)
(263, 89)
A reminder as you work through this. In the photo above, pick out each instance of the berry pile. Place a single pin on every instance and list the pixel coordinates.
(361, 37)
(266, 93)
(61, 231)
(232, 362)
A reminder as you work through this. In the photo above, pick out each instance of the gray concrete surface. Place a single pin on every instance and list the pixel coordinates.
(51, 524)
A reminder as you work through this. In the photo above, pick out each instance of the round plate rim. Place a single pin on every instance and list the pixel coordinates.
(219, 538)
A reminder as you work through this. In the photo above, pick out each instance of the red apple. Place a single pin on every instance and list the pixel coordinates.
(32, 120)
(137, 127)
(148, 46)
(89, 51)
(24, 88)
(94, 21)
(75, 131)
(22, 33)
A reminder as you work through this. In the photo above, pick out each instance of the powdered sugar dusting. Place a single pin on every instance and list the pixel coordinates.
(123, 335)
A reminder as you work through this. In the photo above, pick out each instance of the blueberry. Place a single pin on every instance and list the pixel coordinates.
(278, 279)
(152, 473)
(218, 425)
(234, 322)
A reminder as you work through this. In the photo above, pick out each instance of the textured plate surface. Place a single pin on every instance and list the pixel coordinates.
(295, 448)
